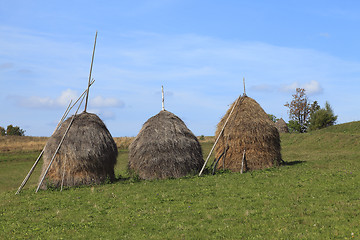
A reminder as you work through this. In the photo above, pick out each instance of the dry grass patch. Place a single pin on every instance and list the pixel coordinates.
(21, 143)
(123, 142)
(26, 143)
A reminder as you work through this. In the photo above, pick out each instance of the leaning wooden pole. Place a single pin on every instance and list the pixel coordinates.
(38, 159)
(243, 161)
(212, 149)
(62, 140)
(92, 61)
(82, 95)
(57, 127)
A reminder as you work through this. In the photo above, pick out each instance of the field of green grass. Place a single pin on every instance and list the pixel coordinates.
(314, 196)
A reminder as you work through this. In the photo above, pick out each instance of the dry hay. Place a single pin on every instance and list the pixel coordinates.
(88, 152)
(250, 128)
(165, 148)
(123, 142)
(12, 144)
(281, 126)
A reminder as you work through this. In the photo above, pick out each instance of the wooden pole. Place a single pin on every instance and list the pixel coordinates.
(85, 91)
(57, 127)
(207, 159)
(92, 60)
(162, 93)
(37, 160)
(242, 162)
(244, 86)
(63, 176)
(52, 159)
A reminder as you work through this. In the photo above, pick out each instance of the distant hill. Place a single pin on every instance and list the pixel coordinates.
(338, 137)
(348, 128)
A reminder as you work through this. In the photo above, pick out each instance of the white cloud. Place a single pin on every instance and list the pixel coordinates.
(47, 102)
(313, 87)
(101, 102)
(103, 114)
(205, 74)
(290, 88)
(65, 97)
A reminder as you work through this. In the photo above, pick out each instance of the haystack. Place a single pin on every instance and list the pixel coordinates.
(248, 128)
(165, 148)
(281, 126)
(86, 156)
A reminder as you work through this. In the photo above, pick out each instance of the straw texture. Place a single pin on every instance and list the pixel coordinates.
(165, 148)
(281, 126)
(87, 155)
(248, 128)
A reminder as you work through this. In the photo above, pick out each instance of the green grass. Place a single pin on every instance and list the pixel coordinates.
(14, 167)
(314, 196)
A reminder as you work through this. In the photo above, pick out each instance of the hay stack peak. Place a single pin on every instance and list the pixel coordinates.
(165, 148)
(281, 126)
(87, 155)
(248, 128)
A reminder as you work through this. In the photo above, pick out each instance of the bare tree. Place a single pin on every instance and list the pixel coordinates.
(299, 109)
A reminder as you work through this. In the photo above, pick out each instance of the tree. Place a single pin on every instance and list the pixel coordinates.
(299, 109)
(14, 131)
(324, 117)
(294, 126)
(272, 117)
(2, 131)
(314, 107)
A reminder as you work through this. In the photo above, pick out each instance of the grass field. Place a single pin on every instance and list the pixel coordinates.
(314, 196)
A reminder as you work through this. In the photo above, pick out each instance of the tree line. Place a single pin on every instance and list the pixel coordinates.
(12, 131)
(305, 115)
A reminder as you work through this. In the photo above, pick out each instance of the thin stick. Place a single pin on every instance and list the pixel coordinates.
(242, 163)
(57, 127)
(85, 91)
(93, 80)
(69, 109)
(92, 60)
(52, 159)
(244, 86)
(62, 181)
(162, 93)
(212, 149)
(37, 160)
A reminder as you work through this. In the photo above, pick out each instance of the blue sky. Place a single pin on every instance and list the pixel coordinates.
(199, 51)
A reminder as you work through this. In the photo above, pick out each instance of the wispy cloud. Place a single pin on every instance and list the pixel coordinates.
(24, 71)
(324, 34)
(101, 102)
(46, 102)
(203, 73)
(103, 114)
(6, 65)
(313, 87)
(262, 88)
(104, 107)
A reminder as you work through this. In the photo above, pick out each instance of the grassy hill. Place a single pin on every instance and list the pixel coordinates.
(314, 196)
